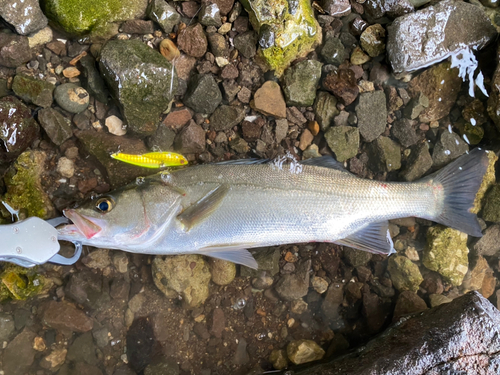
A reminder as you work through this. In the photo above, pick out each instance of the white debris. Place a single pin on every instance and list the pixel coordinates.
(466, 63)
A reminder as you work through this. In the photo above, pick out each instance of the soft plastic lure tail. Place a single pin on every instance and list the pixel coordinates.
(152, 159)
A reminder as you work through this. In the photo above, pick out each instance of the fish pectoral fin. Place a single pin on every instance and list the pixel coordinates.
(232, 253)
(374, 238)
(200, 210)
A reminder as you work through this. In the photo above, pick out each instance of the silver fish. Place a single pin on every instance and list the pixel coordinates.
(220, 210)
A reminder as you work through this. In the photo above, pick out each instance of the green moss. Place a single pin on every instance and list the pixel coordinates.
(488, 181)
(20, 283)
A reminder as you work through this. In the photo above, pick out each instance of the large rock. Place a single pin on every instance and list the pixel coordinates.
(432, 34)
(462, 336)
(19, 354)
(25, 15)
(81, 17)
(300, 81)
(140, 79)
(33, 90)
(372, 114)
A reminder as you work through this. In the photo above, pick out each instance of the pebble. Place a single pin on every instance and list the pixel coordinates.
(372, 114)
(385, 155)
(14, 50)
(55, 359)
(57, 127)
(405, 274)
(33, 90)
(359, 57)
(319, 284)
(241, 356)
(489, 244)
(218, 323)
(333, 51)
(372, 40)
(304, 351)
(223, 272)
(71, 72)
(418, 163)
(296, 285)
(342, 83)
(19, 354)
(115, 125)
(137, 27)
(343, 141)
(408, 303)
(71, 97)
(278, 359)
(438, 299)
(491, 210)
(193, 41)
(209, 15)
(163, 14)
(298, 306)
(191, 139)
(269, 100)
(203, 94)
(325, 109)
(305, 139)
(263, 282)
(66, 167)
(98, 259)
(7, 326)
(246, 44)
(300, 82)
(225, 117)
(66, 317)
(120, 261)
(41, 37)
(337, 8)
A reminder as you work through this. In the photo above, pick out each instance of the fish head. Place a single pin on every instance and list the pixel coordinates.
(124, 219)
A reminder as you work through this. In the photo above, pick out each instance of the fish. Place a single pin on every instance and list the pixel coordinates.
(223, 209)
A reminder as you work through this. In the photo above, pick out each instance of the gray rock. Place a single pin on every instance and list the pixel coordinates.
(83, 349)
(337, 8)
(404, 131)
(344, 141)
(19, 354)
(281, 129)
(26, 15)
(33, 90)
(372, 114)
(91, 79)
(469, 326)
(225, 117)
(325, 109)
(294, 286)
(385, 155)
(137, 27)
(142, 83)
(246, 44)
(432, 34)
(356, 257)
(449, 147)
(4, 91)
(7, 326)
(418, 163)
(218, 46)
(57, 127)
(163, 14)
(14, 50)
(393, 8)
(210, 14)
(71, 97)
(333, 299)
(191, 139)
(300, 82)
(267, 260)
(416, 106)
(489, 244)
(241, 356)
(163, 139)
(203, 94)
(333, 51)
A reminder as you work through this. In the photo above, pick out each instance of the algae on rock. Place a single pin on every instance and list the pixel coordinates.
(488, 181)
(21, 283)
(287, 30)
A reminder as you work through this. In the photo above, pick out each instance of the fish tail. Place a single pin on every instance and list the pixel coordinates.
(460, 181)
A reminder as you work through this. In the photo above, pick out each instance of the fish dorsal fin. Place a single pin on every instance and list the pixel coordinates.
(374, 238)
(325, 162)
(200, 210)
(235, 253)
(243, 162)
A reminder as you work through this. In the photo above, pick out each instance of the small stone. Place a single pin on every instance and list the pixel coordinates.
(66, 317)
(163, 14)
(241, 356)
(218, 46)
(169, 50)
(448, 147)
(278, 359)
(408, 303)
(55, 359)
(298, 306)
(358, 57)
(209, 15)
(19, 354)
(163, 366)
(489, 244)
(26, 16)
(98, 259)
(325, 109)
(333, 51)
(71, 97)
(7, 326)
(356, 257)
(337, 8)
(41, 37)
(268, 263)
(120, 261)
(281, 129)
(223, 272)
(342, 83)
(66, 167)
(33, 90)
(294, 286)
(191, 139)
(239, 145)
(137, 27)
(418, 163)
(91, 79)
(177, 119)
(115, 125)
(230, 72)
(57, 127)
(319, 284)
(225, 28)
(225, 117)
(405, 274)
(244, 95)
(438, 299)
(343, 141)
(193, 41)
(313, 127)
(372, 114)
(300, 82)
(14, 50)
(305, 139)
(491, 205)
(246, 44)
(385, 155)
(71, 72)
(404, 131)
(372, 40)
(203, 94)
(251, 130)
(269, 100)
(304, 351)
(83, 349)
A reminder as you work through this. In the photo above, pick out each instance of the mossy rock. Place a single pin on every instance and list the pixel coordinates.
(21, 283)
(488, 181)
(405, 274)
(491, 210)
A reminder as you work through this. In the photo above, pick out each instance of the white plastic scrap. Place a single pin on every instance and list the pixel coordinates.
(466, 62)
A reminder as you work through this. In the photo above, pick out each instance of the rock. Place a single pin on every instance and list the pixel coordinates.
(474, 278)
(71, 97)
(57, 127)
(137, 27)
(91, 79)
(412, 42)
(241, 356)
(218, 46)
(372, 114)
(488, 181)
(203, 94)
(41, 37)
(18, 128)
(79, 18)
(223, 272)
(300, 82)
(448, 147)
(281, 129)
(342, 83)
(378, 8)
(325, 109)
(246, 44)
(64, 316)
(66, 167)
(14, 50)
(218, 323)
(225, 117)
(163, 366)
(98, 259)
(278, 359)
(404, 131)
(468, 325)
(177, 119)
(19, 355)
(251, 130)
(187, 276)
(163, 139)
(356, 257)
(115, 125)
(491, 205)
(163, 14)
(101, 145)
(446, 253)
(440, 84)
(239, 145)
(193, 41)
(408, 303)
(405, 274)
(83, 349)
(269, 100)
(33, 90)
(7, 326)
(25, 16)
(55, 359)
(191, 139)
(358, 57)
(332, 302)
(267, 260)
(418, 163)
(304, 351)
(385, 155)
(295, 19)
(294, 286)
(493, 103)
(416, 106)
(438, 299)
(319, 284)
(344, 141)
(209, 15)
(337, 8)
(23, 182)
(489, 244)
(306, 139)
(372, 40)
(142, 83)
(333, 51)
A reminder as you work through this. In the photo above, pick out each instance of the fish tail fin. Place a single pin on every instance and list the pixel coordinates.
(460, 181)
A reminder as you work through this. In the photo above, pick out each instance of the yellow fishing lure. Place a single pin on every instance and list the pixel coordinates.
(152, 159)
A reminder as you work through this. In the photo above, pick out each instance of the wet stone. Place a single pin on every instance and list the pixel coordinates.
(203, 94)
(218, 45)
(191, 139)
(489, 244)
(163, 14)
(246, 44)
(491, 207)
(404, 131)
(438, 299)
(65, 167)
(269, 100)
(448, 147)
(278, 359)
(241, 356)
(71, 97)
(358, 57)
(251, 130)
(405, 274)
(83, 349)
(333, 51)
(91, 79)
(300, 82)
(26, 16)
(337, 8)
(7, 326)
(209, 14)
(304, 351)
(378, 8)
(332, 301)
(372, 40)
(137, 27)
(19, 354)
(343, 141)
(14, 50)
(418, 163)
(372, 114)
(218, 323)
(385, 155)
(325, 109)
(223, 272)
(294, 286)
(408, 303)
(225, 117)
(33, 90)
(57, 127)
(356, 257)
(342, 83)
(193, 41)
(239, 145)
(64, 316)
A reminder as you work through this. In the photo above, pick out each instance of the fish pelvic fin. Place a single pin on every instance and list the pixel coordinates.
(233, 253)
(460, 182)
(374, 238)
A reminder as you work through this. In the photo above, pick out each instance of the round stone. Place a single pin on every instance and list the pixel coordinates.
(71, 97)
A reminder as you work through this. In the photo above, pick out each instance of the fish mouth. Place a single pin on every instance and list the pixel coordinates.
(81, 225)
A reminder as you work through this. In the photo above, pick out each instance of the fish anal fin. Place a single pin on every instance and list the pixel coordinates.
(233, 253)
(203, 208)
(374, 238)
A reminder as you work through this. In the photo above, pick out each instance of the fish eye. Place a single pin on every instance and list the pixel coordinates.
(104, 205)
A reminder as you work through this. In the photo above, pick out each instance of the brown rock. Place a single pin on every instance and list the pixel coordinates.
(58, 47)
(191, 139)
(225, 6)
(342, 83)
(229, 72)
(251, 130)
(19, 354)
(190, 8)
(184, 65)
(137, 27)
(14, 50)
(193, 40)
(177, 119)
(66, 317)
(168, 49)
(218, 323)
(305, 139)
(269, 100)
(408, 303)
(313, 127)
(489, 284)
